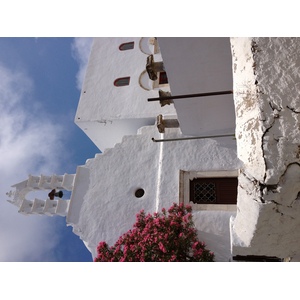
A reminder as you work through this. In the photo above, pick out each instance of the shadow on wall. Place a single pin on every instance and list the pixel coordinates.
(218, 244)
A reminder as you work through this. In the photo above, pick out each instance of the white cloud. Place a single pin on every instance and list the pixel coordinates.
(81, 48)
(29, 144)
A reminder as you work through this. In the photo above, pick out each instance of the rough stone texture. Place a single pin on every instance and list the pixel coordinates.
(266, 75)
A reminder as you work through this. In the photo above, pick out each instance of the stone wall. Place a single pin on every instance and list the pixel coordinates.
(266, 73)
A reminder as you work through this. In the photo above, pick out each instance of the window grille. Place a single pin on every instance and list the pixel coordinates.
(213, 190)
(205, 192)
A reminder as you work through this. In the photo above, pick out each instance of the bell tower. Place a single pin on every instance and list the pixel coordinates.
(50, 206)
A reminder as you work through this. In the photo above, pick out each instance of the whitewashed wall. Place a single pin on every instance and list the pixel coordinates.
(110, 206)
(104, 107)
(200, 65)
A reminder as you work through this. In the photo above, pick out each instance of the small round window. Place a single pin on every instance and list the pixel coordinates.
(139, 193)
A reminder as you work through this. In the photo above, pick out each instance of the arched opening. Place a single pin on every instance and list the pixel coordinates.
(126, 46)
(123, 81)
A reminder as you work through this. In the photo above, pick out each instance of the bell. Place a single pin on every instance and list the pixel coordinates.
(59, 194)
(53, 194)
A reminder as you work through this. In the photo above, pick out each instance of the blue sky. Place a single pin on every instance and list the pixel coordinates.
(39, 92)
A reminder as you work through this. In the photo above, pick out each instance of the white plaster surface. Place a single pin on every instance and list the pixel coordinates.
(120, 111)
(266, 84)
(200, 65)
(110, 206)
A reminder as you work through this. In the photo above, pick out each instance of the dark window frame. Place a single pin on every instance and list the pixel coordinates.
(225, 191)
(122, 81)
(163, 78)
(126, 46)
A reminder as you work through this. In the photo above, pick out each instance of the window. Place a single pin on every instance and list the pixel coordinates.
(122, 81)
(213, 190)
(139, 193)
(163, 79)
(126, 46)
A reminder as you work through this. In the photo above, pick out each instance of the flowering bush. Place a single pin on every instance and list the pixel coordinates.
(161, 237)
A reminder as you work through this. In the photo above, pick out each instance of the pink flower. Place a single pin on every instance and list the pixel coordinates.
(155, 238)
(162, 247)
(194, 246)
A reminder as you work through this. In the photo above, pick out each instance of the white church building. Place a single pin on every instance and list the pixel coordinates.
(210, 122)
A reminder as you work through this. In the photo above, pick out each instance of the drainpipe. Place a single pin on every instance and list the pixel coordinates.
(191, 138)
(190, 96)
